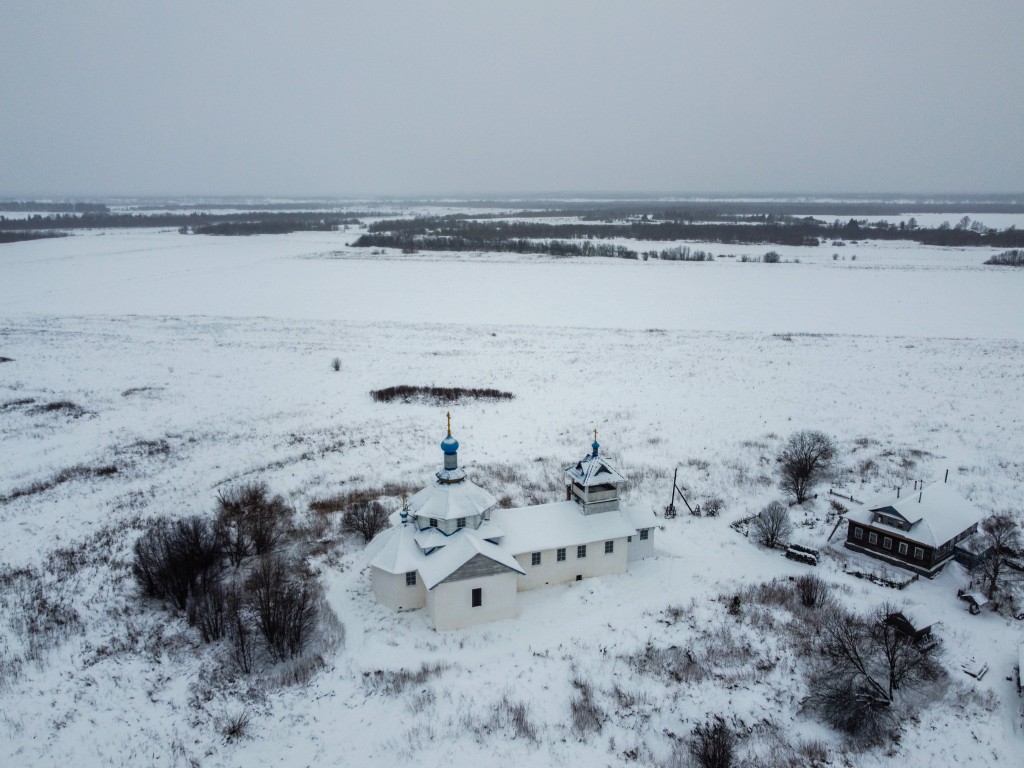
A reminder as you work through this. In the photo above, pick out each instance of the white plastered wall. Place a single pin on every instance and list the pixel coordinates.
(450, 604)
(550, 571)
(390, 589)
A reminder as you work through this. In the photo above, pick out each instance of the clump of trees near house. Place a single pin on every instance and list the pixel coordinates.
(1011, 258)
(1001, 539)
(238, 577)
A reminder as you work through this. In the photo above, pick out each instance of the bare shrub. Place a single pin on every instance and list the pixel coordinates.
(366, 519)
(240, 631)
(1011, 258)
(812, 591)
(236, 726)
(207, 609)
(713, 744)
(772, 524)
(393, 682)
(252, 519)
(286, 602)
(712, 506)
(772, 257)
(514, 716)
(805, 459)
(336, 364)
(171, 557)
(586, 715)
(343, 501)
(437, 395)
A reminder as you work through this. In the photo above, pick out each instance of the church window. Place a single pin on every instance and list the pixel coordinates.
(478, 597)
(535, 558)
(629, 539)
(643, 534)
(433, 522)
(560, 554)
(609, 547)
(581, 551)
(410, 578)
(461, 522)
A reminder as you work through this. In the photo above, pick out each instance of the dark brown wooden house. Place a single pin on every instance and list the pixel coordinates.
(917, 530)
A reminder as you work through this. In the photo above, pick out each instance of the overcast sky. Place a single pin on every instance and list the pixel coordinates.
(531, 96)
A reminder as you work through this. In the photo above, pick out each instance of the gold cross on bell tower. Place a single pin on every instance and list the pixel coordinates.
(450, 424)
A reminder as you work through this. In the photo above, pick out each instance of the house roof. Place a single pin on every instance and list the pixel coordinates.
(449, 501)
(429, 538)
(639, 518)
(936, 514)
(594, 470)
(463, 547)
(920, 617)
(395, 550)
(559, 524)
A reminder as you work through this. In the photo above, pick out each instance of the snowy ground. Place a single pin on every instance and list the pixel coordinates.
(194, 362)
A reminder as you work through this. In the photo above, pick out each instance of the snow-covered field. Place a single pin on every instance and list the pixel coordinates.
(193, 362)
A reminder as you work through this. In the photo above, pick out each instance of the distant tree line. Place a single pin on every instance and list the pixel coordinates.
(14, 237)
(51, 207)
(262, 227)
(432, 233)
(188, 220)
(410, 243)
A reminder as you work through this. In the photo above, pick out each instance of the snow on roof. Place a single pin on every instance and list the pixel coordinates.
(920, 616)
(463, 547)
(429, 538)
(594, 470)
(639, 518)
(449, 501)
(395, 550)
(559, 524)
(940, 514)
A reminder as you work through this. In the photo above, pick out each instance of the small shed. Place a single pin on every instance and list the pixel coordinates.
(914, 621)
(975, 601)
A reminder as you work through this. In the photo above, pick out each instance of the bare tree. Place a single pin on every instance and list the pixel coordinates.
(240, 630)
(172, 557)
(713, 745)
(805, 459)
(286, 602)
(1001, 537)
(367, 518)
(865, 661)
(813, 591)
(772, 524)
(253, 520)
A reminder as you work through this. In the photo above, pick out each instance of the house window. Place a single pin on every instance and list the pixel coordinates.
(887, 543)
(433, 522)
(581, 551)
(410, 578)
(478, 597)
(873, 538)
(535, 558)
(918, 553)
(858, 533)
(629, 539)
(560, 554)
(609, 547)
(643, 534)
(461, 522)
(903, 548)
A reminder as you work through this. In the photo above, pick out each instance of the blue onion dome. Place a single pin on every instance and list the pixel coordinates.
(595, 445)
(449, 445)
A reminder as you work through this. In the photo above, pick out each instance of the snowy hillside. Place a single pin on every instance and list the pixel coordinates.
(148, 370)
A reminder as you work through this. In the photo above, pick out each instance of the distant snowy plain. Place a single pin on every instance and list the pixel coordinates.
(220, 349)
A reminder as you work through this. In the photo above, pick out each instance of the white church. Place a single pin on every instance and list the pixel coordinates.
(452, 551)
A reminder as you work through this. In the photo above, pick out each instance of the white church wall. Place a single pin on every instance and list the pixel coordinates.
(639, 549)
(551, 571)
(450, 604)
(390, 589)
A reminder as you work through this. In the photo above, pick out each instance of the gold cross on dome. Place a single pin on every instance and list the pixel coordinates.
(595, 435)
(449, 423)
